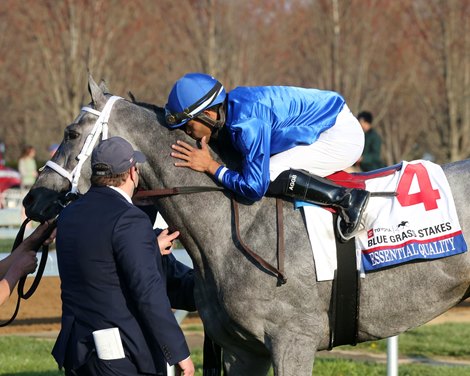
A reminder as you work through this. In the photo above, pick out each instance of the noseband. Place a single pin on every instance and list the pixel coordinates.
(100, 127)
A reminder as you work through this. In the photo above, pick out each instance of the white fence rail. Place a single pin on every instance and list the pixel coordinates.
(12, 198)
(10, 212)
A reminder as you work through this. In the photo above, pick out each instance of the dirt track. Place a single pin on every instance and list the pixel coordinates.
(41, 313)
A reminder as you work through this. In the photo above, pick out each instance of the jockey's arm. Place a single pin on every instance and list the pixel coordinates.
(253, 141)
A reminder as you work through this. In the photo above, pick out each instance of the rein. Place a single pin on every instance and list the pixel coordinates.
(279, 271)
(173, 191)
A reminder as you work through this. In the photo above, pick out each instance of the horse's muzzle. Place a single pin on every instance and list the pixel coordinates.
(42, 204)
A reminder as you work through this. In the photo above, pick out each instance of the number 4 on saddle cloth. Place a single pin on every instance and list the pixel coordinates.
(420, 222)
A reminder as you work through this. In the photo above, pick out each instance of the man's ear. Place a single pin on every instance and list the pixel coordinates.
(132, 171)
(133, 175)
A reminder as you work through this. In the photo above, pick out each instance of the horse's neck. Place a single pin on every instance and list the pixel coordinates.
(191, 214)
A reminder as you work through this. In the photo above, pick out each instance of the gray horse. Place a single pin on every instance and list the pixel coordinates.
(259, 322)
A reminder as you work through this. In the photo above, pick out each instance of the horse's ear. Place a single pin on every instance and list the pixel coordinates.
(96, 93)
(103, 87)
(131, 96)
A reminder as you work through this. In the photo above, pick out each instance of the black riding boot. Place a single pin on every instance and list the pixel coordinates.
(350, 202)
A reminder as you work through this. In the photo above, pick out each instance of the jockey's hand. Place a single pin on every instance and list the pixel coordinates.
(195, 158)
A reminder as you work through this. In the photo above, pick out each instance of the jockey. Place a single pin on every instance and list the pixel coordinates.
(289, 138)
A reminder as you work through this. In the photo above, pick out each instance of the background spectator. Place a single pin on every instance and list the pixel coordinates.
(371, 158)
(27, 167)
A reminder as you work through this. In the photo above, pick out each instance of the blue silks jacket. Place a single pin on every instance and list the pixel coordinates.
(263, 121)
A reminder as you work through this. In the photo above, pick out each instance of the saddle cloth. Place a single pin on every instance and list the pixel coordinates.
(419, 223)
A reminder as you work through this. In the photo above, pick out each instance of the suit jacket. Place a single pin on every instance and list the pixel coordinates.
(179, 277)
(180, 284)
(112, 276)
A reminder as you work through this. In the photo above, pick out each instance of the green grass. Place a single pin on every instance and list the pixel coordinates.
(6, 245)
(450, 339)
(330, 367)
(24, 356)
(192, 328)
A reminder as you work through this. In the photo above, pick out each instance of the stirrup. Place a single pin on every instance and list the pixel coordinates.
(343, 238)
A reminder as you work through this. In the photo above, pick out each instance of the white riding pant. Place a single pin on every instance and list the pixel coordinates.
(336, 149)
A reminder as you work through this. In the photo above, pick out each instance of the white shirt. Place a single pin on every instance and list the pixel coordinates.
(124, 194)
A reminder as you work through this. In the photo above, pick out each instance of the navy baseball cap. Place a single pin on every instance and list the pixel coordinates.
(114, 156)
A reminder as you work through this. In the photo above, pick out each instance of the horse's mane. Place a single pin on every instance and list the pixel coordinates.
(223, 148)
(157, 110)
(149, 106)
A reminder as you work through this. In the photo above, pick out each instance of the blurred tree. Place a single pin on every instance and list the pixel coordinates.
(339, 45)
(406, 61)
(442, 45)
(60, 41)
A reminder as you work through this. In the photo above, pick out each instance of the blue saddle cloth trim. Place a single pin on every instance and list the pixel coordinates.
(300, 204)
(378, 172)
(436, 249)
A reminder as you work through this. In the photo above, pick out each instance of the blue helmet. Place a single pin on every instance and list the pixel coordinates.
(190, 95)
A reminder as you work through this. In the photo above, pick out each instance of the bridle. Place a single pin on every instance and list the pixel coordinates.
(99, 129)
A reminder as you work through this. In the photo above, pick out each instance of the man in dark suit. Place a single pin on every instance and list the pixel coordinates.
(112, 277)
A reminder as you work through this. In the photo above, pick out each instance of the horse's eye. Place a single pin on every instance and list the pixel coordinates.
(70, 135)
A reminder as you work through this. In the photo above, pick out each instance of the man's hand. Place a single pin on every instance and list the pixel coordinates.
(194, 158)
(185, 367)
(165, 241)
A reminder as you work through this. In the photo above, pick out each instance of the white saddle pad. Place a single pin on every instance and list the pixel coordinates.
(420, 223)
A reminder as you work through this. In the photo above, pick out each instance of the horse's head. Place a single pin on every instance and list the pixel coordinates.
(67, 173)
